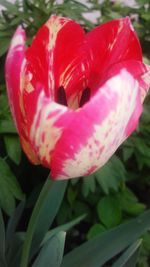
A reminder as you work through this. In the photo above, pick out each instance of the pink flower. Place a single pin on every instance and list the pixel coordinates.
(76, 97)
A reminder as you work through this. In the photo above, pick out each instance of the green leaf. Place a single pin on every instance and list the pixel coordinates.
(13, 223)
(98, 250)
(4, 110)
(13, 147)
(64, 227)
(146, 241)
(80, 208)
(42, 217)
(129, 257)
(4, 45)
(2, 242)
(128, 195)
(129, 204)
(71, 195)
(88, 185)
(127, 152)
(95, 230)
(52, 252)
(135, 208)
(13, 253)
(7, 126)
(109, 211)
(141, 146)
(64, 213)
(10, 6)
(9, 188)
(111, 174)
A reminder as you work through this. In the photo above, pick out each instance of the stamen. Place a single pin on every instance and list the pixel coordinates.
(85, 96)
(61, 96)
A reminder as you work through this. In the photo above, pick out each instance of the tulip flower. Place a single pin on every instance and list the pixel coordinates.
(76, 96)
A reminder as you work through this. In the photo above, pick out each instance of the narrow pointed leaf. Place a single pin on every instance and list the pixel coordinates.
(98, 250)
(52, 252)
(9, 188)
(13, 222)
(42, 217)
(2, 241)
(64, 227)
(13, 254)
(129, 257)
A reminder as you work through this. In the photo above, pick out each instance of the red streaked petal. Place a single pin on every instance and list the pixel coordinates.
(38, 72)
(72, 60)
(111, 43)
(92, 137)
(37, 61)
(58, 56)
(14, 63)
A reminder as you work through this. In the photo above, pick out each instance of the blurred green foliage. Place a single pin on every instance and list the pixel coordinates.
(117, 192)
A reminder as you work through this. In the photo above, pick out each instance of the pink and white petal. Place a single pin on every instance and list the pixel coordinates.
(141, 73)
(14, 63)
(111, 43)
(92, 137)
(13, 69)
(49, 122)
(144, 85)
(139, 70)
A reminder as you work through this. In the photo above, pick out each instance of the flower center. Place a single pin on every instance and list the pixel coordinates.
(61, 96)
(85, 96)
(62, 99)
